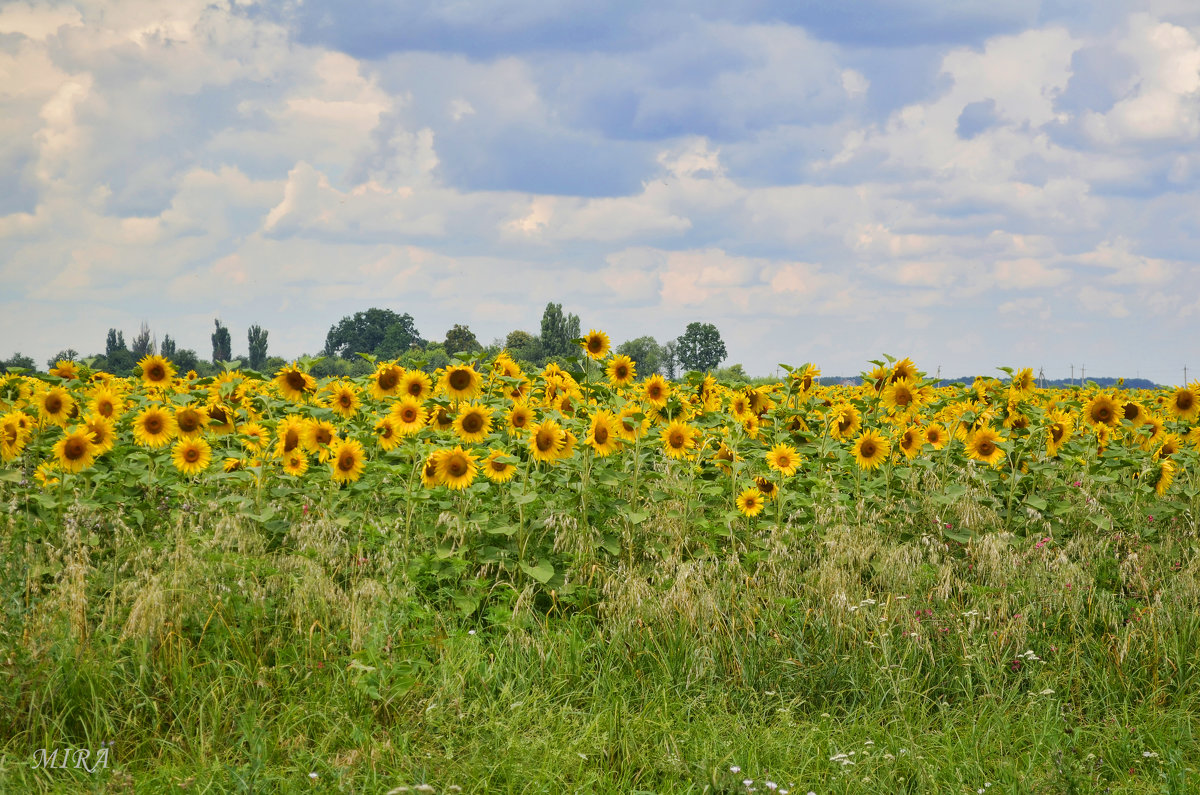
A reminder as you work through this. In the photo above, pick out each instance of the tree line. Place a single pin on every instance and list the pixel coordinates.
(383, 334)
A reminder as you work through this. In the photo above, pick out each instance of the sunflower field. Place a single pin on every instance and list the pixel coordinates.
(487, 490)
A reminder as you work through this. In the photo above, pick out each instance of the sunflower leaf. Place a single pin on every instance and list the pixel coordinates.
(541, 572)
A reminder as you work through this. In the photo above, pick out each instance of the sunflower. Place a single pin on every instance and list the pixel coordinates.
(191, 455)
(911, 442)
(497, 468)
(725, 457)
(220, 418)
(767, 488)
(784, 459)
(320, 437)
(806, 377)
(596, 344)
(347, 460)
(1101, 410)
(385, 431)
(678, 439)
(506, 367)
(441, 418)
(343, 398)
(44, 474)
(1134, 412)
(844, 421)
(750, 502)
(904, 369)
(104, 437)
(56, 406)
(431, 470)
(293, 383)
(520, 417)
(1184, 402)
(386, 380)
(900, 395)
(1058, 432)
(295, 463)
(65, 369)
(408, 416)
(233, 464)
(547, 440)
(156, 371)
(603, 436)
(461, 382)
(877, 377)
(458, 468)
(656, 390)
(107, 402)
(1171, 445)
(254, 438)
(1152, 429)
(760, 400)
(13, 436)
(416, 385)
(984, 445)
(739, 406)
(473, 423)
(621, 371)
(630, 427)
(290, 434)
(153, 427)
(1023, 382)
(191, 420)
(75, 452)
(1165, 475)
(870, 450)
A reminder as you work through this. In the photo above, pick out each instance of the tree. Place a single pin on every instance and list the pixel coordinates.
(69, 355)
(700, 347)
(459, 339)
(366, 332)
(523, 346)
(257, 338)
(167, 348)
(17, 360)
(186, 359)
(114, 343)
(558, 330)
(645, 352)
(143, 343)
(222, 344)
(669, 361)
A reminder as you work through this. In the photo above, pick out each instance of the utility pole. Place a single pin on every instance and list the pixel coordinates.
(1072, 374)
(1185, 381)
(939, 375)
(1082, 372)
(1041, 378)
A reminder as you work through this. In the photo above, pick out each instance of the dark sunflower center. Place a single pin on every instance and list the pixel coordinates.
(346, 461)
(323, 436)
(188, 421)
(677, 439)
(156, 372)
(498, 466)
(844, 423)
(295, 379)
(621, 372)
(595, 345)
(408, 414)
(217, 414)
(346, 400)
(385, 432)
(519, 419)
(601, 434)
(460, 380)
(153, 423)
(388, 380)
(867, 450)
(431, 469)
(1056, 431)
(654, 392)
(290, 440)
(414, 388)
(75, 449)
(105, 408)
(456, 466)
(53, 404)
(472, 423)
(986, 448)
(1132, 411)
(903, 397)
(1185, 400)
(545, 440)
(191, 455)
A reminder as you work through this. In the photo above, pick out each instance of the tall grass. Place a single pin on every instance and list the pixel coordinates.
(862, 652)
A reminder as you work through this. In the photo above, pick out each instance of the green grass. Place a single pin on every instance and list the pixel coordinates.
(860, 655)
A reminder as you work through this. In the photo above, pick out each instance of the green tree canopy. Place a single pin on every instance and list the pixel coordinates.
(222, 344)
(557, 332)
(645, 352)
(701, 347)
(257, 337)
(378, 331)
(460, 339)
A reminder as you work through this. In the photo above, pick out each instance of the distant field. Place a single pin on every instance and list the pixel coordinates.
(583, 580)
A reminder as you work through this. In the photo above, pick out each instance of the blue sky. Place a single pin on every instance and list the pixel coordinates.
(967, 183)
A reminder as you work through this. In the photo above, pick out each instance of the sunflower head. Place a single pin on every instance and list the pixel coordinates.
(293, 383)
(191, 456)
(596, 344)
(751, 501)
(156, 371)
(871, 450)
(498, 468)
(347, 460)
(621, 371)
(76, 450)
(458, 468)
(461, 382)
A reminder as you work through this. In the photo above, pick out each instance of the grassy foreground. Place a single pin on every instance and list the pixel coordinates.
(866, 653)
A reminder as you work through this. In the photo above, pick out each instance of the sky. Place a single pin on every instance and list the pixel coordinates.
(971, 184)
